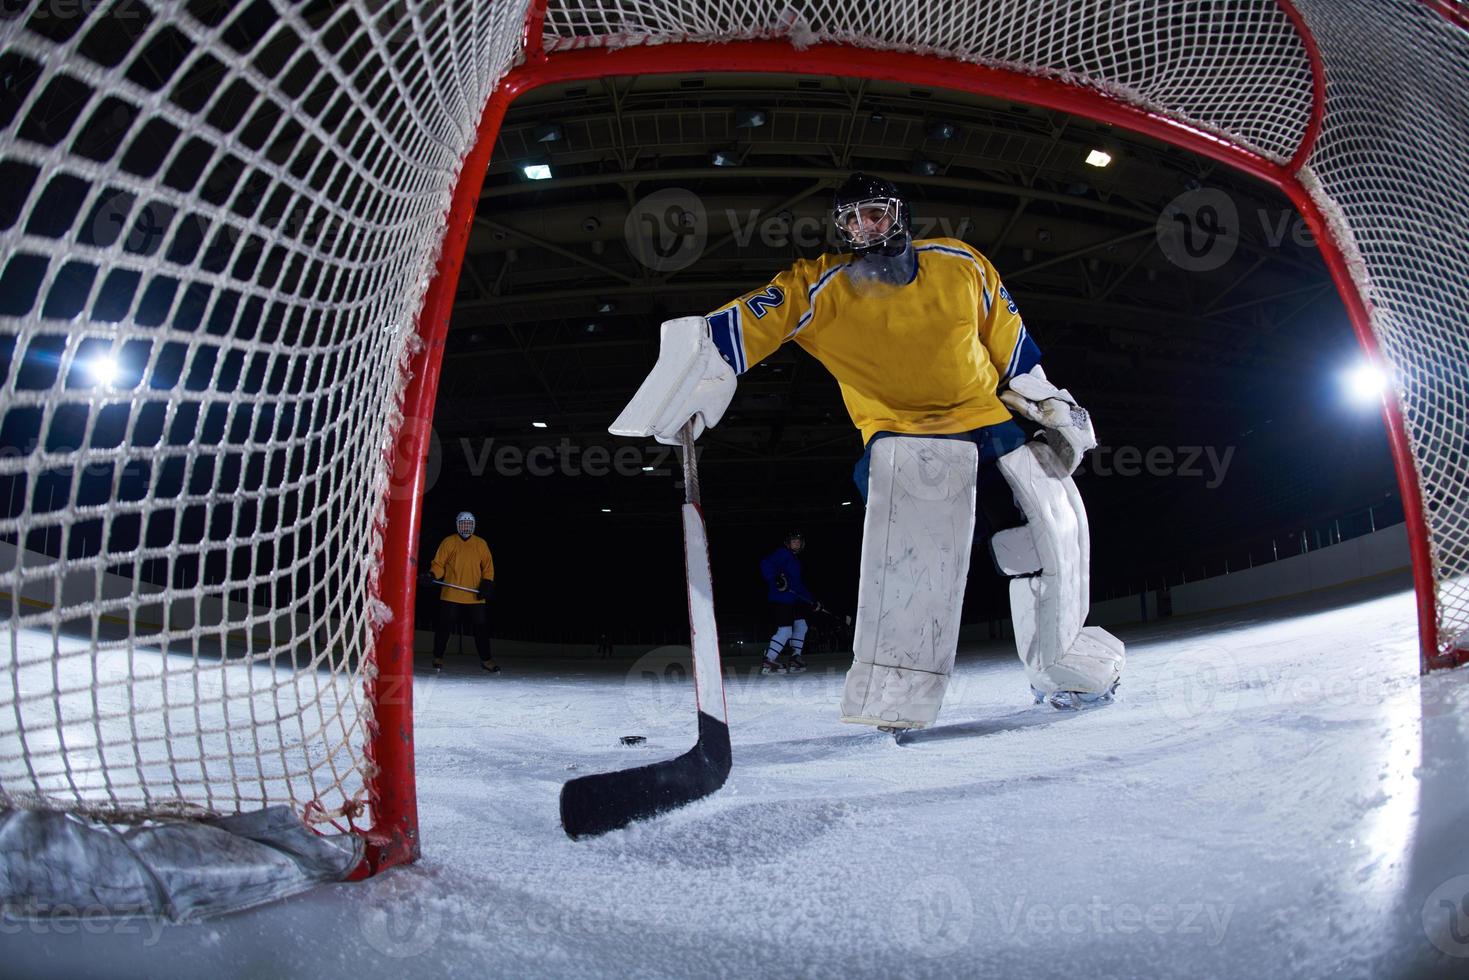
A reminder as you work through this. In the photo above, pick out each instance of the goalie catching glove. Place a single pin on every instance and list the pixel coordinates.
(1068, 426)
(690, 381)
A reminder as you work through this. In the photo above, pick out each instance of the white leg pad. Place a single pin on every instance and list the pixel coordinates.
(915, 561)
(1050, 606)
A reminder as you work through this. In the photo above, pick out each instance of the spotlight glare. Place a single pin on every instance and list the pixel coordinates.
(540, 425)
(103, 369)
(536, 171)
(1365, 383)
(1099, 158)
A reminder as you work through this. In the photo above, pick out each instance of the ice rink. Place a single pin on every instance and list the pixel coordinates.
(1276, 793)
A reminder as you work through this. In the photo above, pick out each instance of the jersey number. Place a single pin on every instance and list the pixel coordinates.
(1009, 303)
(761, 303)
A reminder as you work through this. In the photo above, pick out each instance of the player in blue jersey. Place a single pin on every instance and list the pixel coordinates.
(790, 605)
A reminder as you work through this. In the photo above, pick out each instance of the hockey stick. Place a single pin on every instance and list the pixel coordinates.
(843, 618)
(605, 801)
(461, 588)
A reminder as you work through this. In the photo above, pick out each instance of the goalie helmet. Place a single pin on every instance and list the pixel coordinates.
(871, 216)
(464, 524)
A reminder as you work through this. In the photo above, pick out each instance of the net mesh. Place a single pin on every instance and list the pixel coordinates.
(219, 223)
(1237, 69)
(1390, 165)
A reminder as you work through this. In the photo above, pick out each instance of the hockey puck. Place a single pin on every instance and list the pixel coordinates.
(633, 739)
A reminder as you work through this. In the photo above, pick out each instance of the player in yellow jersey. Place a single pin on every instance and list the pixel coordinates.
(465, 573)
(932, 358)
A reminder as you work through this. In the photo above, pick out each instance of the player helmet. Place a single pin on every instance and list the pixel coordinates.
(794, 536)
(871, 216)
(464, 524)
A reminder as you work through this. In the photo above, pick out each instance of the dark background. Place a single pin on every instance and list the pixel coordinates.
(557, 321)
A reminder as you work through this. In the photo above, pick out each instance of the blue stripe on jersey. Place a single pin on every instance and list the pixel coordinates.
(950, 251)
(1025, 356)
(983, 276)
(816, 287)
(729, 337)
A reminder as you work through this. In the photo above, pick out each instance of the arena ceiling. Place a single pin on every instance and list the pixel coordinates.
(564, 286)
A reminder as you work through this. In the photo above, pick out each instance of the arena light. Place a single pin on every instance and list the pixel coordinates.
(1365, 383)
(725, 158)
(546, 133)
(536, 171)
(749, 118)
(1099, 158)
(104, 369)
(540, 425)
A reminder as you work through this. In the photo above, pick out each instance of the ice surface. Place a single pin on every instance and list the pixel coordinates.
(1275, 793)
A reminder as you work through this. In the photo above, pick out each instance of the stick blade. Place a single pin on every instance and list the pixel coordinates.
(596, 804)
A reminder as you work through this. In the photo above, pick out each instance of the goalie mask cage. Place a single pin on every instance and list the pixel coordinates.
(233, 233)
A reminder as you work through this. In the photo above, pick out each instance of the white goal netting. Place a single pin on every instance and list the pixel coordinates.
(220, 221)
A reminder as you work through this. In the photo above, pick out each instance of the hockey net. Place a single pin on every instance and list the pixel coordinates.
(221, 221)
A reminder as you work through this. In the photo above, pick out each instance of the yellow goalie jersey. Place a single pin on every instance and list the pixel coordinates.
(923, 358)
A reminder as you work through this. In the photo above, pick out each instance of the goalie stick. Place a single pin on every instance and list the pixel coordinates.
(605, 801)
